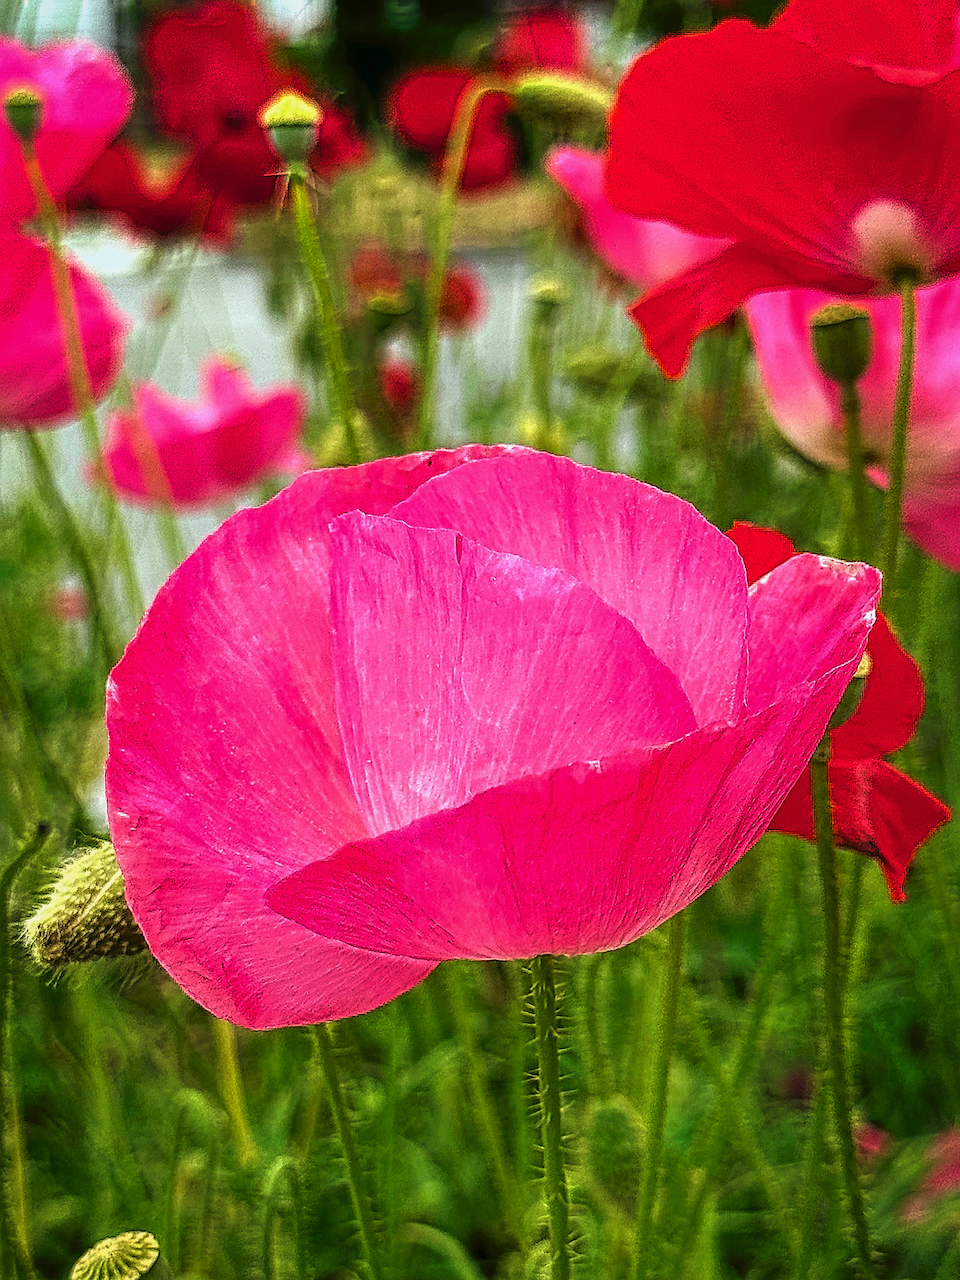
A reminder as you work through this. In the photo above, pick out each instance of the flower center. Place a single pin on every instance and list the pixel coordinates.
(890, 243)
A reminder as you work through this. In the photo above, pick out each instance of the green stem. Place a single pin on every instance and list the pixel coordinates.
(454, 160)
(670, 979)
(542, 327)
(850, 410)
(14, 1251)
(816, 1177)
(321, 285)
(898, 450)
(590, 1024)
(734, 368)
(833, 992)
(361, 1205)
(551, 1117)
(77, 370)
(231, 1089)
(480, 1099)
(74, 538)
(284, 1169)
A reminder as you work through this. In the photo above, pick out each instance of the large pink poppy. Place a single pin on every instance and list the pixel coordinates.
(805, 404)
(86, 98)
(455, 705)
(208, 450)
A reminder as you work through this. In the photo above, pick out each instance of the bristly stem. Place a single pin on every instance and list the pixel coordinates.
(78, 372)
(833, 999)
(361, 1205)
(321, 286)
(850, 411)
(551, 1119)
(671, 974)
(453, 164)
(901, 419)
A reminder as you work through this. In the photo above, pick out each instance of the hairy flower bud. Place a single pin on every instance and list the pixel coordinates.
(842, 341)
(562, 102)
(86, 916)
(292, 123)
(125, 1257)
(24, 111)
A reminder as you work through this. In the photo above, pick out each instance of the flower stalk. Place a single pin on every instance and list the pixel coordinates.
(901, 418)
(551, 1117)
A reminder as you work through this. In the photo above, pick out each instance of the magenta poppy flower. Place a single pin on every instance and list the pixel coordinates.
(824, 174)
(208, 450)
(805, 404)
(877, 810)
(479, 704)
(642, 252)
(86, 98)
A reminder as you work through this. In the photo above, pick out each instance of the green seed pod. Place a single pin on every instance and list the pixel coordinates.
(852, 694)
(292, 123)
(24, 111)
(547, 294)
(613, 1142)
(562, 102)
(125, 1257)
(86, 916)
(842, 341)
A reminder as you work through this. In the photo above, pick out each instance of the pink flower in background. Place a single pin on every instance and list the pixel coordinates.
(805, 404)
(521, 706)
(643, 252)
(203, 452)
(86, 98)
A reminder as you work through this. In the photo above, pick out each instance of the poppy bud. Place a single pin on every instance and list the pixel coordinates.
(842, 341)
(292, 123)
(24, 111)
(563, 102)
(852, 694)
(86, 916)
(614, 1150)
(600, 370)
(129, 1256)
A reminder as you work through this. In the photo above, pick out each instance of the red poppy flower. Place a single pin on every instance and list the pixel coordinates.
(834, 178)
(877, 810)
(463, 300)
(399, 386)
(541, 38)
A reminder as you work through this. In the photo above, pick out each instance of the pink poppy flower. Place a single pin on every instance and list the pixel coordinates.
(805, 404)
(86, 98)
(645, 253)
(824, 174)
(521, 706)
(209, 450)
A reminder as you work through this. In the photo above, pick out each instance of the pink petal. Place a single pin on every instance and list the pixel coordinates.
(87, 97)
(34, 382)
(585, 858)
(226, 769)
(647, 554)
(459, 668)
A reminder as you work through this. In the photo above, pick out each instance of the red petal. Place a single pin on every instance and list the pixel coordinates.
(760, 549)
(891, 704)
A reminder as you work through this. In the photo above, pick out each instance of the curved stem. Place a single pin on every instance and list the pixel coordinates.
(898, 449)
(551, 1119)
(453, 164)
(284, 1169)
(670, 978)
(361, 1205)
(833, 993)
(850, 411)
(338, 379)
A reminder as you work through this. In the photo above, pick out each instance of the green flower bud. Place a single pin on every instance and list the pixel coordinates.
(613, 1142)
(600, 371)
(842, 341)
(125, 1257)
(86, 916)
(24, 111)
(548, 294)
(292, 123)
(562, 102)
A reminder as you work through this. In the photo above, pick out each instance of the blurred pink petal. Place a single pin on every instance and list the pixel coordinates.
(207, 450)
(645, 253)
(86, 99)
(805, 404)
(34, 383)
(248, 781)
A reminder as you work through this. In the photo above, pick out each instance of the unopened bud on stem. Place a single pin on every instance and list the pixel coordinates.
(562, 102)
(842, 341)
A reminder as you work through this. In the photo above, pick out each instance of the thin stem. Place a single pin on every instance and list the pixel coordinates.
(14, 1251)
(361, 1205)
(231, 1089)
(284, 1169)
(480, 1099)
(453, 164)
(833, 993)
(77, 370)
(670, 979)
(901, 418)
(551, 1119)
(338, 378)
(813, 1176)
(850, 410)
(542, 328)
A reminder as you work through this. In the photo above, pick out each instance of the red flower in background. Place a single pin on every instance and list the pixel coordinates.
(212, 68)
(463, 300)
(424, 102)
(837, 177)
(399, 386)
(877, 810)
